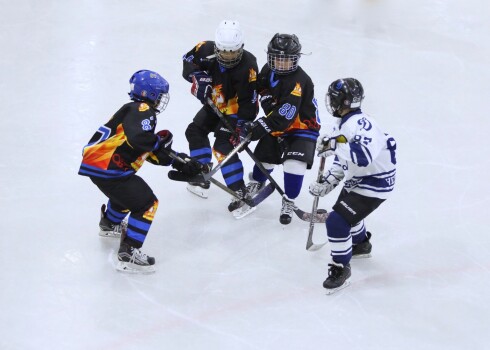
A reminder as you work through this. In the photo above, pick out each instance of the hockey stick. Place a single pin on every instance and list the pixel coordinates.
(300, 213)
(310, 246)
(263, 194)
(207, 176)
(237, 149)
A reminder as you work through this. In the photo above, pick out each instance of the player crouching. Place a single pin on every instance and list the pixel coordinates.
(115, 153)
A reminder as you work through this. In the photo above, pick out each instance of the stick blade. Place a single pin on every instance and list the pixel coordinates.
(320, 217)
(178, 176)
(312, 247)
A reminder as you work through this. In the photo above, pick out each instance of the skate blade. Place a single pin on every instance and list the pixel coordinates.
(110, 234)
(335, 290)
(243, 211)
(362, 256)
(198, 191)
(133, 268)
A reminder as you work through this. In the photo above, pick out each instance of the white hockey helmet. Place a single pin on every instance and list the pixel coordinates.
(228, 43)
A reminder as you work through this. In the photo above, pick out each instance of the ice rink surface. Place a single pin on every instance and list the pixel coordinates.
(224, 283)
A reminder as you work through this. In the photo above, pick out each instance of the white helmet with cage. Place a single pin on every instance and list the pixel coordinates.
(228, 43)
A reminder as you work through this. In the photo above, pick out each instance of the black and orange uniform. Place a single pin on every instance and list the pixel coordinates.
(113, 156)
(234, 92)
(292, 120)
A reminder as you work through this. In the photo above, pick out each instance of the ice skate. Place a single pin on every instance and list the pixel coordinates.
(253, 187)
(237, 203)
(132, 260)
(362, 249)
(338, 277)
(107, 228)
(201, 189)
(286, 211)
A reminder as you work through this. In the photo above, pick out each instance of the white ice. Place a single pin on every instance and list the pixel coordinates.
(224, 283)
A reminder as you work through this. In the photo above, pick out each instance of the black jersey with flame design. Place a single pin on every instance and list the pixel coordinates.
(234, 89)
(296, 109)
(120, 146)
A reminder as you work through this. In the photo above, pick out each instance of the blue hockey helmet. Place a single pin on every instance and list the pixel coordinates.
(151, 87)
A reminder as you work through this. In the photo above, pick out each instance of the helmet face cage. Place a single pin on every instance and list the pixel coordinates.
(283, 53)
(228, 58)
(150, 87)
(344, 94)
(162, 102)
(282, 63)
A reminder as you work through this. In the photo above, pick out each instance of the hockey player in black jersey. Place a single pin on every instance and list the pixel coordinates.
(227, 74)
(113, 156)
(289, 129)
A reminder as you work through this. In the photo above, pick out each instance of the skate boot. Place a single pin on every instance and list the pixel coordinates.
(286, 211)
(132, 260)
(338, 277)
(201, 189)
(362, 249)
(237, 203)
(253, 187)
(107, 228)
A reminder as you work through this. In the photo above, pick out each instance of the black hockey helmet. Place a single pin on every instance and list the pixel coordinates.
(343, 94)
(283, 53)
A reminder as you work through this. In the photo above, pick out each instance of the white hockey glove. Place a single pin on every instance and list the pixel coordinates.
(326, 185)
(327, 144)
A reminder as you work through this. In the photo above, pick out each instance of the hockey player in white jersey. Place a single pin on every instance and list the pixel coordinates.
(365, 161)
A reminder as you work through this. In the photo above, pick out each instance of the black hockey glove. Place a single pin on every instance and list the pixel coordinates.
(201, 86)
(191, 167)
(165, 139)
(268, 103)
(257, 129)
(237, 136)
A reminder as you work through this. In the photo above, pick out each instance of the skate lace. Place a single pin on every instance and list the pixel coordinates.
(287, 207)
(239, 193)
(253, 187)
(137, 255)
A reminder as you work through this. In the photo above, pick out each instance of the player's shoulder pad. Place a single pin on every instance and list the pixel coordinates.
(204, 46)
(141, 109)
(249, 57)
(199, 44)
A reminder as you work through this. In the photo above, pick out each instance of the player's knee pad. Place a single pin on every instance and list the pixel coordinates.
(194, 132)
(147, 211)
(337, 226)
(295, 167)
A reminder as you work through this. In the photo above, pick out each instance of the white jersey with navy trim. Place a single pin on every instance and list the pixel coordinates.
(367, 161)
